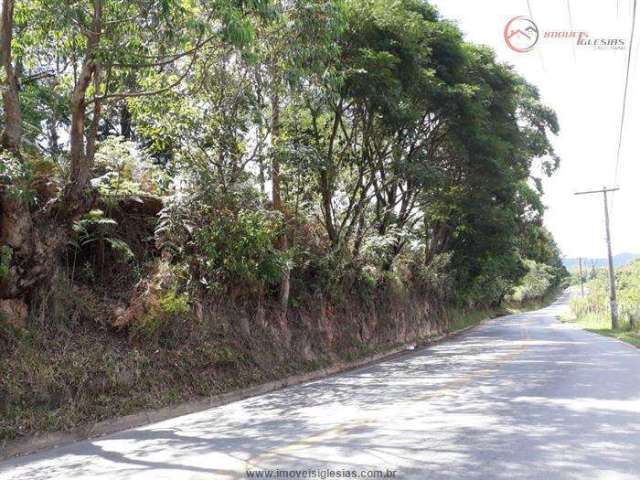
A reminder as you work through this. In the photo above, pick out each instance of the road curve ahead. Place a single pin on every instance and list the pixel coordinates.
(520, 397)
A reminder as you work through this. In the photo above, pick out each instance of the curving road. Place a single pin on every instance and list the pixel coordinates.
(520, 397)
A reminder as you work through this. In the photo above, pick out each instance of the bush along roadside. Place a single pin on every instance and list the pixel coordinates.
(592, 312)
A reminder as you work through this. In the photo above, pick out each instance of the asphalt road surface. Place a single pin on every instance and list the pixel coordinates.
(519, 397)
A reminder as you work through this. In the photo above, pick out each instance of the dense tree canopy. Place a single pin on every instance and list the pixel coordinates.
(295, 145)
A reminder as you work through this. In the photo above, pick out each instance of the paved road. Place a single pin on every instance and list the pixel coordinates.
(519, 397)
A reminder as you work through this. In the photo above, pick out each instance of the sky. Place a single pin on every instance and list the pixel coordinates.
(585, 86)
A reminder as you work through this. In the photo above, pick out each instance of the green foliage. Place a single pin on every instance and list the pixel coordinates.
(171, 303)
(15, 178)
(433, 278)
(169, 306)
(94, 227)
(537, 282)
(595, 304)
(403, 153)
(463, 318)
(93, 219)
(224, 355)
(6, 253)
(240, 248)
(125, 171)
(368, 277)
(175, 225)
(367, 92)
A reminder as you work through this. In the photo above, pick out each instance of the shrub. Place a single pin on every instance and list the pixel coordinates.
(435, 278)
(537, 282)
(125, 170)
(16, 178)
(596, 301)
(239, 249)
(368, 277)
(165, 308)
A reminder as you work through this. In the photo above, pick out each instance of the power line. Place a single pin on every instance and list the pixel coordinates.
(626, 89)
(539, 50)
(573, 45)
(529, 7)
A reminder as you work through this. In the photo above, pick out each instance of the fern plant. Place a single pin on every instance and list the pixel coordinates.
(95, 228)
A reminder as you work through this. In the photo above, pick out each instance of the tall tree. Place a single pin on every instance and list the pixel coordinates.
(15, 219)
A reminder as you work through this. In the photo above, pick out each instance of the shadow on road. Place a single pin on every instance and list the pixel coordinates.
(520, 397)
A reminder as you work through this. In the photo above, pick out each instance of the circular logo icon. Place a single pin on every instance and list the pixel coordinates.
(521, 34)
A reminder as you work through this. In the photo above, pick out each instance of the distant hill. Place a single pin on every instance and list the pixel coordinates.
(619, 260)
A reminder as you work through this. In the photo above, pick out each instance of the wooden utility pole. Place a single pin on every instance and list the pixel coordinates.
(612, 276)
(581, 277)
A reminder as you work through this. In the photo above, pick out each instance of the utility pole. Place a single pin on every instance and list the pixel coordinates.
(612, 276)
(581, 278)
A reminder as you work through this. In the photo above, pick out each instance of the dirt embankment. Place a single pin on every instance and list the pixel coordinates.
(79, 362)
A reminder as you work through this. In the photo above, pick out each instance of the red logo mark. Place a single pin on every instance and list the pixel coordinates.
(521, 34)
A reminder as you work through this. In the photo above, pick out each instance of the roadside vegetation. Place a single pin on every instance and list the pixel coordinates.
(592, 312)
(198, 196)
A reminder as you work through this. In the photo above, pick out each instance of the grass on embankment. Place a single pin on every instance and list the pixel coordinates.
(63, 376)
(460, 319)
(592, 313)
(601, 324)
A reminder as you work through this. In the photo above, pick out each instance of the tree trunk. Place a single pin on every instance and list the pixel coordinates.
(326, 189)
(327, 207)
(92, 133)
(276, 198)
(81, 163)
(12, 133)
(16, 224)
(125, 121)
(427, 238)
(34, 250)
(54, 146)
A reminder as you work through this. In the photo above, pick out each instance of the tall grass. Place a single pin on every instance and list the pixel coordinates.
(593, 312)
